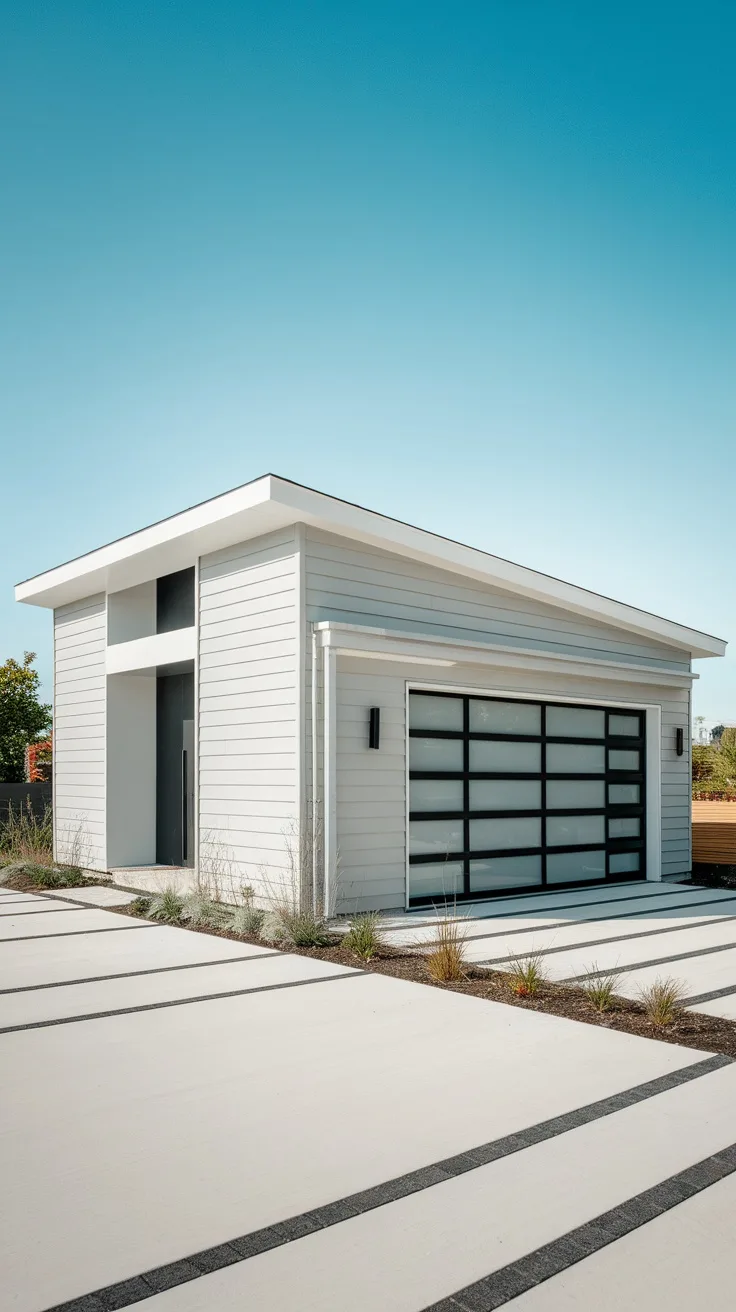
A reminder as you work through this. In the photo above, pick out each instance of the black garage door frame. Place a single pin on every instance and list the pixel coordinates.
(611, 847)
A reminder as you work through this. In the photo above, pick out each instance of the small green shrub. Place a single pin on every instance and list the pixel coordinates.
(247, 920)
(527, 975)
(662, 1001)
(140, 906)
(45, 876)
(200, 910)
(299, 929)
(168, 906)
(600, 989)
(364, 936)
(446, 961)
(305, 930)
(273, 929)
(62, 877)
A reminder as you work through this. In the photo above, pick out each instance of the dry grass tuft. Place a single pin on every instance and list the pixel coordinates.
(27, 837)
(364, 937)
(446, 962)
(527, 975)
(601, 988)
(662, 1001)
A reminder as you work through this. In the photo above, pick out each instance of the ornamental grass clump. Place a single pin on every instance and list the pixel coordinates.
(168, 907)
(446, 962)
(662, 1001)
(527, 975)
(247, 920)
(304, 929)
(601, 987)
(198, 910)
(364, 937)
(26, 836)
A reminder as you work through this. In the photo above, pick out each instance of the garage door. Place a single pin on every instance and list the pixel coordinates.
(508, 796)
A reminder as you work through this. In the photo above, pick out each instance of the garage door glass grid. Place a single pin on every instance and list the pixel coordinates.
(511, 795)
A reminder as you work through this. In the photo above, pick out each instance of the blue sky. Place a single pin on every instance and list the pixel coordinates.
(472, 265)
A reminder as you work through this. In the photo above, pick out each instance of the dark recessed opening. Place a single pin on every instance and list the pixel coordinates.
(175, 601)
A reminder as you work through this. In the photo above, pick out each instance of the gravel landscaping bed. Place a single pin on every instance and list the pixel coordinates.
(690, 1029)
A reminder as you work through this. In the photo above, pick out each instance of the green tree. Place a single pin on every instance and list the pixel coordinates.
(717, 733)
(23, 718)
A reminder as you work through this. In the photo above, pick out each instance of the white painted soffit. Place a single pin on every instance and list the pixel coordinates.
(271, 503)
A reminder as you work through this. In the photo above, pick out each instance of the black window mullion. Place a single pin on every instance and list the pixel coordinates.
(607, 729)
(609, 810)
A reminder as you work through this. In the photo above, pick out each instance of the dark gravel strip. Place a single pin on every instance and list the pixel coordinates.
(655, 961)
(552, 1259)
(601, 942)
(178, 1002)
(134, 1290)
(708, 997)
(75, 933)
(131, 974)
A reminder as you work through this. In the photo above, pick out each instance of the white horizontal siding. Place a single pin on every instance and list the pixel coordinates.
(371, 785)
(248, 712)
(363, 585)
(79, 732)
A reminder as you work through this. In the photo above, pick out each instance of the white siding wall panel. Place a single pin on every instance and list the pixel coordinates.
(363, 585)
(371, 785)
(248, 712)
(79, 732)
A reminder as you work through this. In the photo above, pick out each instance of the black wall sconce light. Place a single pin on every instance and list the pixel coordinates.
(679, 741)
(374, 727)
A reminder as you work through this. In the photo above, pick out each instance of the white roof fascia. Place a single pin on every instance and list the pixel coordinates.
(365, 642)
(271, 503)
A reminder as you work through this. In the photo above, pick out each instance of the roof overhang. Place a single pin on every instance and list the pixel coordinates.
(271, 503)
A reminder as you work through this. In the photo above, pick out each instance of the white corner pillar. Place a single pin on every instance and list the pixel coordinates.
(329, 703)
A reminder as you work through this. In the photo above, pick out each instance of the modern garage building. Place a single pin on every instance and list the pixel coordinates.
(277, 686)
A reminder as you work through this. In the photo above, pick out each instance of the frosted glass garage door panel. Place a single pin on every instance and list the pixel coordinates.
(445, 879)
(505, 872)
(582, 794)
(502, 758)
(625, 827)
(576, 758)
(505, 795)
(564, 830)
(624, 862)
(620, 760)
(575, 722)
(624, 726)
(624, 794)
(435, 712)
(489, 835)
(435, 754)
(566, 867)
(440, 837)
(505, 717)
(436, 795)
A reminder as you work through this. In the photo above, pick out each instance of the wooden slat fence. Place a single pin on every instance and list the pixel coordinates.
(714, 833)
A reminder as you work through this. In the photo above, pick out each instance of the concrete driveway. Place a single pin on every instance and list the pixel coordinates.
(201, 1125)
(640, 930)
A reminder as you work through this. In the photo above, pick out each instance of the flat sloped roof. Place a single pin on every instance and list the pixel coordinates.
(271, 502)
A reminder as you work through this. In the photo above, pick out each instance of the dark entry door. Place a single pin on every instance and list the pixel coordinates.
(174, 769)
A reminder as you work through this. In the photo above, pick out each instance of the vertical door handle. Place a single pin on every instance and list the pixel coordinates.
(184, 852)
